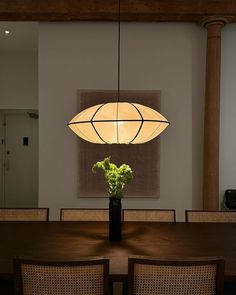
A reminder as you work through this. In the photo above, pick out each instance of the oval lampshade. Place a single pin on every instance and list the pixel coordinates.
(119, 123)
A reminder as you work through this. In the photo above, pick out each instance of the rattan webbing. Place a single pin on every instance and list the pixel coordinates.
(62, 280)
(84, 215)
(174, 280)
(149, 215)
(206, 216)
(37, 214)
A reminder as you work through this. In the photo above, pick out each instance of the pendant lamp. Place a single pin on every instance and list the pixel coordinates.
(118, 122)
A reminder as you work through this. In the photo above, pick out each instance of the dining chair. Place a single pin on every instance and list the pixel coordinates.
(210, 216)
(77, 214)
(89, 276)
(155, 215)
(183, 277)
(24, 214)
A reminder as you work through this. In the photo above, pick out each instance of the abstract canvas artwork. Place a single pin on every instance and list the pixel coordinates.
(143, 158)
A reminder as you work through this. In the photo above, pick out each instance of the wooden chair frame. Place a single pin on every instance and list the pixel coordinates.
(18, 286)
(197, 261)
(25, 209)
(150, 210)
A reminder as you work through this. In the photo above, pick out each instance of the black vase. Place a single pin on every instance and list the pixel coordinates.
(115, 222)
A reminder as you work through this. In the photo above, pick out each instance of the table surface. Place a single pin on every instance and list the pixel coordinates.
(72, 240)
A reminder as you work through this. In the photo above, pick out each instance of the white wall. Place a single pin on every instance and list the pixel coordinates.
(19, 80)
(228, 111)
(18, 86)
(1, 160)
(155, 56)
(198, 94)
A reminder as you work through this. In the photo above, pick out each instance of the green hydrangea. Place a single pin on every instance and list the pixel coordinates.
(116, 178)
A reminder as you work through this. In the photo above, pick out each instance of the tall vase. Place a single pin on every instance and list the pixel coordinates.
(115, 222)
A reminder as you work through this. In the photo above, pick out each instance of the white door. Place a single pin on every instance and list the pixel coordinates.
(21, 160)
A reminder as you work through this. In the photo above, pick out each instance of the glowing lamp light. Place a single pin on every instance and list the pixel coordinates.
(118, 123)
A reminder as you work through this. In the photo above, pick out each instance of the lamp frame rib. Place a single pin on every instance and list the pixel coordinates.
(116, 121)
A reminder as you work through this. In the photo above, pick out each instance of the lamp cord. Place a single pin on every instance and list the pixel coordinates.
(118, 78)
(118, 82)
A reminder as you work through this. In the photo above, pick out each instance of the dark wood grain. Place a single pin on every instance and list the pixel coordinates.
(72, 240)
(106, 10)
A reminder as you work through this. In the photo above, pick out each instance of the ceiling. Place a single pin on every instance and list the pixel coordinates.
(23, 36)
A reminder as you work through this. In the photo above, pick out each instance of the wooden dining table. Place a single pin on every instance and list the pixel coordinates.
(72, 240)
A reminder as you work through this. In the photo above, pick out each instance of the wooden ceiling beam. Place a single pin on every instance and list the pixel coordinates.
(106, 10)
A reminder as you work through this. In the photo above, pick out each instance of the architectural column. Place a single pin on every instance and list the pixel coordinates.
(212, 113)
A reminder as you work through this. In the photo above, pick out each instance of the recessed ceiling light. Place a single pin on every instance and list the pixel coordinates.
(7, 32)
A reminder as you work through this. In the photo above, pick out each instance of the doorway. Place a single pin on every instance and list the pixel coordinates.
(19, 158)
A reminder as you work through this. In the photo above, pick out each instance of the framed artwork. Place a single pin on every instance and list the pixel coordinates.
(144, 159)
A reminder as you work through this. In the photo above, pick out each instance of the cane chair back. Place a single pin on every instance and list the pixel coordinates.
(26, 214)
(151, 215)
(178, 277)
(210, 216)
(74, 214)
(61, 278)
